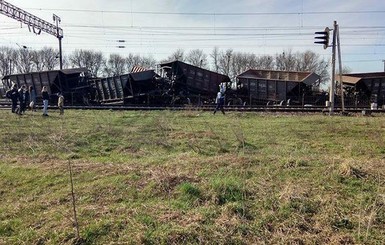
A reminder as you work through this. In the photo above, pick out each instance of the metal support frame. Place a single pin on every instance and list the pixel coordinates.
(38, 25)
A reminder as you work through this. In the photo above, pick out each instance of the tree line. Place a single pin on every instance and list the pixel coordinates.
(228, 62)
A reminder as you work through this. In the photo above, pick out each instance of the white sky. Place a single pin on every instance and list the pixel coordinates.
(158, 28)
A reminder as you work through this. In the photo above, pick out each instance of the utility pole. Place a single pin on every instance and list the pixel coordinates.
(324, 39)
(337, 30)
(60, 37)
(332, 82)
(33, 21)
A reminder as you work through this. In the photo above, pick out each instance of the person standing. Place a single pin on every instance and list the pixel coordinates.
(24, 99)
(13, 94)
(60, 103)
(220, 100)
(32, 97)
(45, 95)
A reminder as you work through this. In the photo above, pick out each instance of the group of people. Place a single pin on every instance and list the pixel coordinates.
(23, 98)
(26, 97)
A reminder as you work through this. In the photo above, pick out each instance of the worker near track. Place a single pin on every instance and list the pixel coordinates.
(220, 101)
(60, 103)
(45, 95)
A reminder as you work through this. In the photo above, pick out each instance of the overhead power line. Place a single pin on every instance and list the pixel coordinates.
(213, 13)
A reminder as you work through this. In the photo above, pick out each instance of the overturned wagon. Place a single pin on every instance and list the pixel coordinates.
(142, 87)
(362, 89)
(192, 84)
(72, 83)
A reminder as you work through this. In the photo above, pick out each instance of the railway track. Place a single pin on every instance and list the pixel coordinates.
(5, 104)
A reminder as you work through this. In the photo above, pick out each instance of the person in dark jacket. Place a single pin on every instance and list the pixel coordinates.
(45, 95)
(23, 98)
(13, 94)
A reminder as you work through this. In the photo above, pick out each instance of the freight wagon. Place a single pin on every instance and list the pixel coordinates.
(264, 86)
(191, 84)
(134, 88)
(72, 83)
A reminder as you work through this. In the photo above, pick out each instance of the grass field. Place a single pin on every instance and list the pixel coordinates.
(192, 178)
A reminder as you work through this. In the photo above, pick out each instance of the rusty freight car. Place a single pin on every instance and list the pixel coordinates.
(72, 83)
(192, 84)
(265, 86)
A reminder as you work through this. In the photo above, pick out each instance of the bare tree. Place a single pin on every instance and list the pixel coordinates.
(136, 60)
(44, 59)
(286, 61)
(197, 57)
(345, 70)
(310, 61)
(215, 56)
(242, 62)
(177, 55)
(116, 65)
(265, 62)
(50, 58)
(24, 61)
(148, 62)
(37, 60)
(7, 61)
(224, 61)
(92, 60)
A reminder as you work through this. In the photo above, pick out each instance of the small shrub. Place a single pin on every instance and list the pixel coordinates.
(347, 170)
(304, 206)
(228, 190)
(94, 231)
(6, 229)
(189, 191)
(343, 223)
(239, 209)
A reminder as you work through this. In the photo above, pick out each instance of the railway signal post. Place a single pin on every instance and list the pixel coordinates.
(324, 39)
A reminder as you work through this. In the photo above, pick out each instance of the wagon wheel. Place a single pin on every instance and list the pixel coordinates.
(236, 101)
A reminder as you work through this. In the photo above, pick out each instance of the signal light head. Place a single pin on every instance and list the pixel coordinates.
(324, 38)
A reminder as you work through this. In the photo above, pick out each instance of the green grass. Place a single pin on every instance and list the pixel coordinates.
(190, 177)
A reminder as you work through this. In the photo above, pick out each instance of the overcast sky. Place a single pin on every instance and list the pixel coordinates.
(158, 28)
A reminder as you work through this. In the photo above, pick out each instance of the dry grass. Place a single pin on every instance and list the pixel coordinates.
(190, 178)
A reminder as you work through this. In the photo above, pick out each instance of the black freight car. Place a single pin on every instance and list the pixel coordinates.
(192, 84)
(363, 89)
(270, 86)
(72, 83)
(134, 88)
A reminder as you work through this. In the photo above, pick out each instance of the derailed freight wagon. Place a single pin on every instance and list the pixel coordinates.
(278, 87)
(72, 83)
(192, 84)
(362, 89)
(138, 88)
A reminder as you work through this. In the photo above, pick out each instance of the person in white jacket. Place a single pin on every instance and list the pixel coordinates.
(220, 101)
